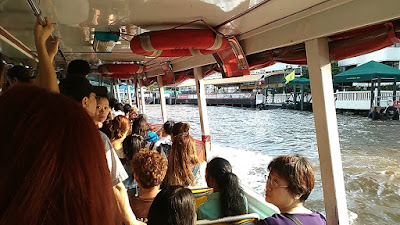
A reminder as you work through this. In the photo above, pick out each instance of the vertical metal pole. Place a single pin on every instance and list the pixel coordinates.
(378, 97)
(394, 90)
(326, 128)
(202, 104)
(112, 88)
(128, 88)
(100, 80)
(142, 97)
(372, 91)
(302, 97)
(117, 90)
(136, 94)
(162, 99)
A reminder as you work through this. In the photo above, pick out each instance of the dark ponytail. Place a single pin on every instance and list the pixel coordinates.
(231, 195)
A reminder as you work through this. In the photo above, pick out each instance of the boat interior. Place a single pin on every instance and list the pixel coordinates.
(268, 30)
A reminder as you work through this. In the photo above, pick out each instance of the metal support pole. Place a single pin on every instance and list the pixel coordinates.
(112, 88)
(372, 92)
(302, 97)
(128, 88)
(100, 80)
(136, 94)
(202, 104)
(378, 97)
(394, 90)
(327, 133)
(162, 99)
(117, 90)
(143, 102)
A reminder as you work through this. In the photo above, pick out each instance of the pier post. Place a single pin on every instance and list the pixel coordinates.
(202, 104)
(128, 88)
(162, 98)
(327, 133)
(142, 97)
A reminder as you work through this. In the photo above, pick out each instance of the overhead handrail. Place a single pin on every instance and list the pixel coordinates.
(38, 13)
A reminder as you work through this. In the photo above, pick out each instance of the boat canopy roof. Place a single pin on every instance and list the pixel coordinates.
(300, 81)
(366, 72)
(267, 31)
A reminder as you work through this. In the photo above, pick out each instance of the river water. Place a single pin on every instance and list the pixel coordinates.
(250, 138)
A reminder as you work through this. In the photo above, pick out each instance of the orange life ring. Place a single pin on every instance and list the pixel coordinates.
(120, 69)
(178, 42)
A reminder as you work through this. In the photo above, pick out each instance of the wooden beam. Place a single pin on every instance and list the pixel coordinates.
(327, 131)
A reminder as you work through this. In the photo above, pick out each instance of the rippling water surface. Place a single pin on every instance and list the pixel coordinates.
(250, 138)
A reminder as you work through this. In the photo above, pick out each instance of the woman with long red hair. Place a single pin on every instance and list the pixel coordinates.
(54, 169)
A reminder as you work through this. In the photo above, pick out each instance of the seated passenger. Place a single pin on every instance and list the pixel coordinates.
(179, 128)
(152, 138)
(133, 114)
(290, 181)
(166, 136)
(118, 110)
(149, 169)
(184, 168)
(52, 159)
(174, 205)
(140, 126)
(227, 198)
(127, 108)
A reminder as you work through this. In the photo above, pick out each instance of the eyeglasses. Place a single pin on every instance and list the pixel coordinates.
(272, 183)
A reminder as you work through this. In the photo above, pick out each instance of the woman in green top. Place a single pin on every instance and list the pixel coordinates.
(227, 198)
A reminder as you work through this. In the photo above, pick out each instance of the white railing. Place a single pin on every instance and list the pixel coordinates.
(361, 100)
(218, 96)
(282, 98)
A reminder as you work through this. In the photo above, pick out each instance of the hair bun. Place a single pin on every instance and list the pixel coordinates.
(180, 128)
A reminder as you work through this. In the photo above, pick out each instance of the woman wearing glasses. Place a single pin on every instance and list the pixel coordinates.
(289, 183)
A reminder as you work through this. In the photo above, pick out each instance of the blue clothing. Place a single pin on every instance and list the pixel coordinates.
(211, 209)
(315, 218)
(129, 183)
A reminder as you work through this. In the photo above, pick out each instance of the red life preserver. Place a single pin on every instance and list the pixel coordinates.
(177, 79)
(178, 42)
(109, 70)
